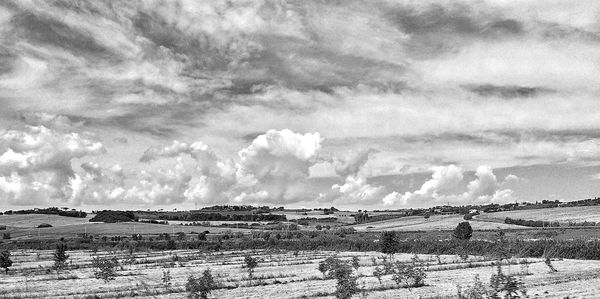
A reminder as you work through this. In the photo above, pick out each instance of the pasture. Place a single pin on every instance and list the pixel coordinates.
(433, 223)
(562, 215)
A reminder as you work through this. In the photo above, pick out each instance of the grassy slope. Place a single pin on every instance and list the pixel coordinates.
(578, 214)
(33, 220)
(436, 222)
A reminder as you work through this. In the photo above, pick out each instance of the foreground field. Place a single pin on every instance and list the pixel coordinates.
(280, 274)
(562, 215)
(436, 222)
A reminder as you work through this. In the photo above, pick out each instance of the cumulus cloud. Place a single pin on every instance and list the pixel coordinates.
(442, 189)
(38, 160)
(277, 160)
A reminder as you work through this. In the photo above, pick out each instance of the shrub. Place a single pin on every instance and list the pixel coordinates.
(199, 288)
(388, 243)
(105, 268)
(505, 286)
(463, 231)
(166, 279)
(2, 227)
(333, 267)
(6, 236)
(171, 245)
(468, 217)
(476, 291)
(412, 275)
(60, 256)
(5, 261)
(43, 225)
(251, 263)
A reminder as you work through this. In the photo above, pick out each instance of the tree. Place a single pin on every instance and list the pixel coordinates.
(5, 261)
(199, 288)
(251, 263)
(60, 256)
(463, 231)
(388, 243)
(105, 268)
(166, 279)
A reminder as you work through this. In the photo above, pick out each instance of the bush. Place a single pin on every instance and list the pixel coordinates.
(251, 263)
(60, 257)
(388, 243)
(333, 267)
(199, 288)
(105, 268)
(463, 231)
(506, 286)
(6, 236)
(43, 225)
(5, 261)
(412, 275)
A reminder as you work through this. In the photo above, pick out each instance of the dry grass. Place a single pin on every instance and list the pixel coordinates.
(436, 222)
(279, 275)
(563, 215)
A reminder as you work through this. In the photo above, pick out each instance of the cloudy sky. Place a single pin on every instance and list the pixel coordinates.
(353, 104)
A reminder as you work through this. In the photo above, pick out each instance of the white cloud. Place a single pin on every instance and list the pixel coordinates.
(39, 160)
(441, 189)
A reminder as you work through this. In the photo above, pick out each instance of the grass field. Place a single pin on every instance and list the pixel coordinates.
(279, 275)
(33, 220)
(563, 215)
(25, 226)
(436, 222)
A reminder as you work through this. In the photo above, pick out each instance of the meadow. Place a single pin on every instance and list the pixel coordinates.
(562, 214)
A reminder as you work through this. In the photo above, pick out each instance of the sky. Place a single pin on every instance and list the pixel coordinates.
(353, 104)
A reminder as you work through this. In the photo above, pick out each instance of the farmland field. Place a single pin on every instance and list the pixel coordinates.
(19, 228)
(280, 274)
(33, 220)
(436, 222)
(563, 215)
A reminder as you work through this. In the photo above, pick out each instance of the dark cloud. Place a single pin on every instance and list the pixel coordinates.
(44, 30)
(508, 92)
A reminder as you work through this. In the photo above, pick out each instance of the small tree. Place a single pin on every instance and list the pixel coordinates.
(463, 231)
(166, 279)
(60, 256)
(200, 288)
(333, 267)
(378, 272)
(105, 268)
(323, 268)
(388, 243)
(5, 261)
(251, 263)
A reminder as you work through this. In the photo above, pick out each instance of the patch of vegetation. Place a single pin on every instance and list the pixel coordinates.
(109, 216)
(201, 287)
(60, 256)
(463, 231)
(105, 268)
(5, 261)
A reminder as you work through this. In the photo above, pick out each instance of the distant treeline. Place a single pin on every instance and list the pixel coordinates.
(531, 223)
(50, 211)
(228, 208)
(198, 216)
